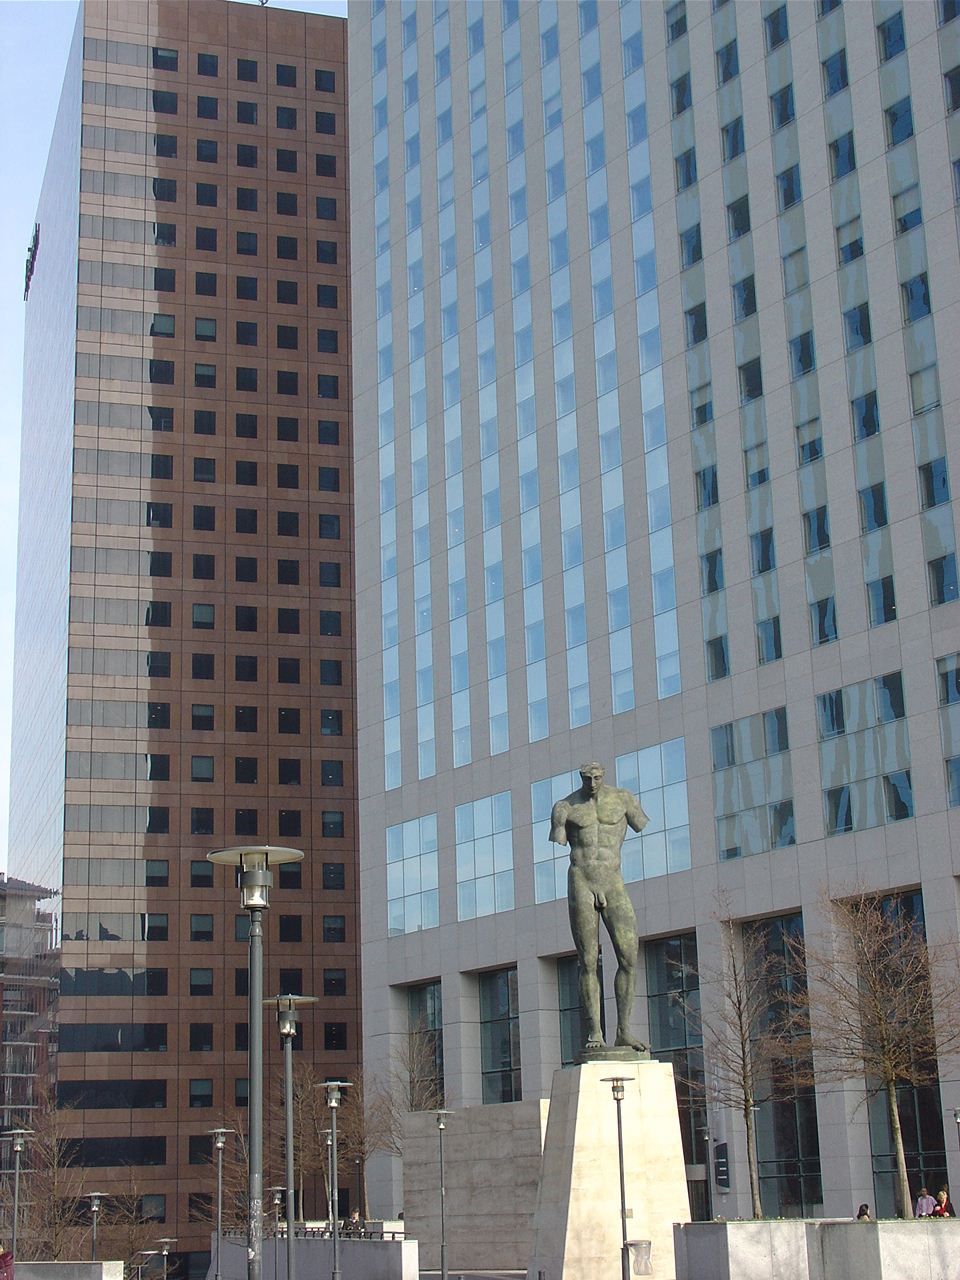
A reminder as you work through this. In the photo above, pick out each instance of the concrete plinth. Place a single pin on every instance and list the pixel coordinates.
(577, 1231)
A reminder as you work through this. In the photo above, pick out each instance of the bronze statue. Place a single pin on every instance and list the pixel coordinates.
(593, 822)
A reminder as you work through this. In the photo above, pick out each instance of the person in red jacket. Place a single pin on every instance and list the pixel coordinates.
(943, 1209)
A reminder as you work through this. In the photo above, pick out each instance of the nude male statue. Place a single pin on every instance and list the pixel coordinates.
(593, 822)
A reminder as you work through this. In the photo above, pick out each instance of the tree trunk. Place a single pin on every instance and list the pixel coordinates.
(902, 1184)
(752, 1163)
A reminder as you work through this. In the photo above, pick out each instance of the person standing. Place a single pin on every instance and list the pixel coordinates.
(943, 1208)
(925, 1204)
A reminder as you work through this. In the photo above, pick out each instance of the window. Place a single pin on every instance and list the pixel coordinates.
(816, 530)
(695, 321)
(335, 1036)
(872, 501)
(925, 389)
(731, 139)
(890, 37)
(325, 81)
(676, 21)
(952, 765)
(830, 714)
(711, 572)
(865, 416)
(326, 165)
(823, 620)
(165, 59)
(286, 76)
(849, 241)
(763, 556)
(951, 85)
(247, 244)
(881, 601)
(334, 928)
(680, 94)
(201, 768)
(718, 664)
(834, 73)
(856, 327)
(201, 982)
(701, 405)
(898, 795)
(781, 107)
(768, 640)
(843, 159)
(744, 298)
(245, 719)
(291, 929)
(802, 356)
(201, 874)
(705, 484)
(942, 577)
(775, 25)
(907, 212)
(839, 812)
(499, 1036)
(789, 191)
(686, 168)
(751, 381)
(690, 246)
(934, 484)
(915, 297)
(208, 64)
(899, 122)
(738, 218)
(948, 671)
(286, 160)
(756, 465)
(201, 928)
(795, 271)
(728, 63)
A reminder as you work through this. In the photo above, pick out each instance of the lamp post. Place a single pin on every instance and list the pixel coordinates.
(287, 1007)
(276, 1200)
(616, 1084)
(255, 878)
(96, 1199)
(333, 1088)
(165, 1242)
(18, 1137)
(442, 1114)
(327, 1135)
(145, 1255)
(220, 1141)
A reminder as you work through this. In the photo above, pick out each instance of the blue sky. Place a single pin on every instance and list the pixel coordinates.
(34, 43)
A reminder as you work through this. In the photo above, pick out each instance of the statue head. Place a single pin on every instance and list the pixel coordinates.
(592, 776)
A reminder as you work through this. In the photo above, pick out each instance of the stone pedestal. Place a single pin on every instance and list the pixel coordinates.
(577, 1233)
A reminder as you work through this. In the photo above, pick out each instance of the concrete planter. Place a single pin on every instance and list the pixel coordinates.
(818, 1249)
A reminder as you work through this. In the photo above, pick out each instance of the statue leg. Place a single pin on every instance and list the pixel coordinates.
(621, 922)
(584, 926)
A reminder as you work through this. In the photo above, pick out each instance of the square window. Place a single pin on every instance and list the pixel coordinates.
(286, 117)
(245, 719)
(207, 150)
(334, 928)
(206, 194)
(802, 356)
(744, 298)
(201, 982)
(288, 429)
(907, 212)
(245, 667)
(201, 768)
(881, 601)
(738, 218)
(288, 670)
(326, 165)
(890, 37)
(286, 76)
(334, 982)
(856, 327)
(165, 59)
(325, 81)
(728, 63)
(291, 929)
(775, 25)
(245, 427)
(245, 570)
(331, 671)
(288, 772)
(245, 823)
(207, 108)
(247, 199)
(288, 720)
(781, 107)
(201, 874)
(865, 415)
(333, 876)
(247, 243)
(286, 160)
(899, 121)
(816, 530)
(287, 292)
(751, 381)
(335, 1036)
(201, 822)
(942, 577)
(201, 928)
(690, 247)
(731, 139)
(835, 73)
(915, 297)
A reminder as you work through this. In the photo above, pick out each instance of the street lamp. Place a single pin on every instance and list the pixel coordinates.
(442, 1114)
(95, 1198)
(255, 879)
(616, 1084)
(277, 1201)
(19, 1137)
(146, 1255)
(287, 1022)
(326, 1134)
(165, 1242)
(333, 1088)
(220, 1141)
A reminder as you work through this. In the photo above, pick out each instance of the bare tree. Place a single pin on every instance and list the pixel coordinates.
(54, 1219)
(750, 1042)
(870, 1005)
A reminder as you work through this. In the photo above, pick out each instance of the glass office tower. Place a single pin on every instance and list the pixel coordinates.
(184, 670)
(653, 425)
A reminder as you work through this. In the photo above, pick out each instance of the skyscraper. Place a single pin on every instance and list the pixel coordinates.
(184, 673)
(653, 442)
